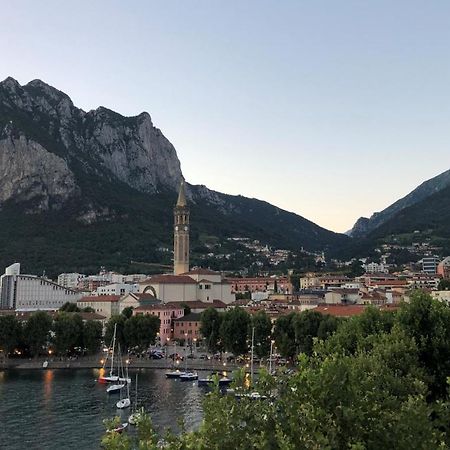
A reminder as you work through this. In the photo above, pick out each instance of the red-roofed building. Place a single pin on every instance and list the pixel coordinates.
(166, 314)
(196, 285)
(105, 305)
(347, 310)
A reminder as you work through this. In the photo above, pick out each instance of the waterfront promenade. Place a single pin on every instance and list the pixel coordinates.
(88, 362)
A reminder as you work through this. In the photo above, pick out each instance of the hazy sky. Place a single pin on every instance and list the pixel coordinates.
(331, 109)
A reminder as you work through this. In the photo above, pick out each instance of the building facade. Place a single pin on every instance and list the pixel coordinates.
(32, 293)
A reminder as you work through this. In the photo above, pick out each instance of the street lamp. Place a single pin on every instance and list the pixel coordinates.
(167, 346)
(270, 357)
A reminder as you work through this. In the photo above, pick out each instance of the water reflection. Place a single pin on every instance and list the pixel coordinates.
(48, 379)
(57, 409)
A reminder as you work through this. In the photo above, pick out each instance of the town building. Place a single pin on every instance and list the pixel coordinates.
(116, 289)
(187, 328)
(70, 280)
(443, 268)
(31, 293)
(166, 314)
(261, 284)
(342, 296)
(429, 264)
(105, 305)
(196, 285)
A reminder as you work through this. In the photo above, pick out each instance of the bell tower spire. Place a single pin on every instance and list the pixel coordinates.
(181, 233)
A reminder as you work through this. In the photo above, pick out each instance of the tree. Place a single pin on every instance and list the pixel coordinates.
(210, 323)
(284, 334)
(140, 331)
(68, 332)
(263, 330)
(92, 336)
(10, 333)
(234, 331)
(444, 285)
(356, 269)
(119, 320)
(88, 309)
(186, 307)
(69, 307)
(306, 326)
(128, 312)
(371, 394)
(427, 321)
(37, 331)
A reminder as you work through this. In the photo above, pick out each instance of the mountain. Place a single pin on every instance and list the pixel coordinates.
(426, 220)
(83, 189)
(364, 226)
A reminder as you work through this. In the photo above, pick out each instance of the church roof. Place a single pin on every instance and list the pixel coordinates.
(158, 307)
(201, 271)
(198, 304)
(169, 279)
(182, 195)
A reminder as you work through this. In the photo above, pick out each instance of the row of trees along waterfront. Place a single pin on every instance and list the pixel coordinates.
(293, 333)
(66, 333)
(379, 381)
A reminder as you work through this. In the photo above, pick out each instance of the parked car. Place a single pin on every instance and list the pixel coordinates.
(177, 356)
(203, 356)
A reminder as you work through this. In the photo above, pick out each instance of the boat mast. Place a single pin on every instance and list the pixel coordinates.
(113, 349)
(251, 361)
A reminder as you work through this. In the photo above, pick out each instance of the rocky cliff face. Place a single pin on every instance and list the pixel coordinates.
(32, 175)
(98, 188)
(48, 145)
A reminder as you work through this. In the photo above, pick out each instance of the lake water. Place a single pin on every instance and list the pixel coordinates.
(64, 409)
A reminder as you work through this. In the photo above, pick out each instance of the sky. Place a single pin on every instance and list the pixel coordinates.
(330, 109)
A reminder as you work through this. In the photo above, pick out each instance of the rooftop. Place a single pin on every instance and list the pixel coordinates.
(100, 298)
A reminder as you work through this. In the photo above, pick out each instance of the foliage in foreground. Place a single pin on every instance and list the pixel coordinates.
(376, 383)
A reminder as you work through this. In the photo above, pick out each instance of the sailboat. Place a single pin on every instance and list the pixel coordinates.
(136, 415)
(111, 378)
(120, 383)
(124, 402)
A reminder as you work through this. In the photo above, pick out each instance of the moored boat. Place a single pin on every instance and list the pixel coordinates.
(123, 403)
(189, 376)
(174, 374)
(115, 388)
(119, 428)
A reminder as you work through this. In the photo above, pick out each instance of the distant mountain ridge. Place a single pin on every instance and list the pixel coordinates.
(364, 226)
(83, 189)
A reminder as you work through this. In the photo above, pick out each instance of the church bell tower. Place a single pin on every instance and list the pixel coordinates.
(181, 233)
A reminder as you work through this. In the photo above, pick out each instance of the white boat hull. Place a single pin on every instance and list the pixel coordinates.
(124, 403)
(115, 388)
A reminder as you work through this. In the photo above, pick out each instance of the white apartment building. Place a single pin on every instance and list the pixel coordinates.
(117, 289)
(374, 267)
(70, 280)
(32, 293)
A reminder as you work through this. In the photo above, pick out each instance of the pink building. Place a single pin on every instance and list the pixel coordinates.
(166, 313)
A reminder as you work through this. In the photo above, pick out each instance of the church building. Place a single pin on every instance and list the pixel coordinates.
(186, 285)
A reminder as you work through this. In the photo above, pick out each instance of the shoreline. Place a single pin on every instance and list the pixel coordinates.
(94, 363)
